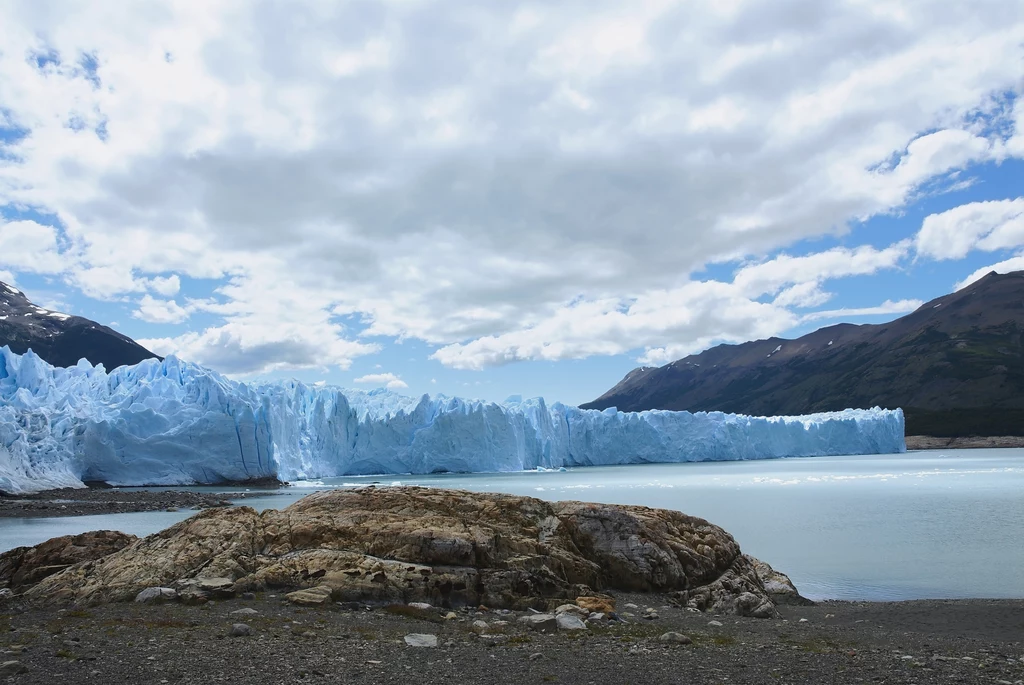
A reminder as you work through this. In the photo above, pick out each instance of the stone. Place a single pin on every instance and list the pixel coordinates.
(6, 593)
(441, 547)
(539, 622)
(217, 587)
(631, 606)
(156, 595)
(571, 609)
(535, 656)
(604, 605)
(314, 596)
(570, 622)
(715, 624)
(675, 638)
(422, 606)
(240, 630)
(248, 595)
(247, 611)
(778, 585)
(451, 616)
(480, 627)
(597, 617)
(756, 606)
(421, 640)
(9, 668)
(650, 614)
(192, 597)
(22, 567)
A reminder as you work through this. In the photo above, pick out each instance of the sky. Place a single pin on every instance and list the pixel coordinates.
(502, 198)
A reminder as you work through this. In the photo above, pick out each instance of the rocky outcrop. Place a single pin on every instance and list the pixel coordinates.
(444, 547)
(22, 567)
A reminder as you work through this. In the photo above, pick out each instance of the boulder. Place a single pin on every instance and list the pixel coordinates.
(445, 548)
(778, 585)
(23, 567)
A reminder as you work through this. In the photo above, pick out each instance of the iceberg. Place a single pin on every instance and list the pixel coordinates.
(172, 422)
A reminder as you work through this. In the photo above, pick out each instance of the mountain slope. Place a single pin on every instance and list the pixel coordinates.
(60, 339)
(955, 366)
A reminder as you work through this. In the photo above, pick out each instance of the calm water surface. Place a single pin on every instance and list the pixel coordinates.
(936, 524)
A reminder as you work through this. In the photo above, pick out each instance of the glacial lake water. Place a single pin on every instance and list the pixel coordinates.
(932, 524)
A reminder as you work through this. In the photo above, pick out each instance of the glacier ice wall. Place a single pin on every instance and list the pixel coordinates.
(171, 422)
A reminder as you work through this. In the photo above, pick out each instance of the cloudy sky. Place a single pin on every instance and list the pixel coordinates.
(492, 198)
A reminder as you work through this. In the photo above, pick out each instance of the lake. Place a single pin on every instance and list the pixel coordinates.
(931, 524)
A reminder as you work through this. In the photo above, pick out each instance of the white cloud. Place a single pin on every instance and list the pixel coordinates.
(988, 226)
(388, 380)
(160, 311)
(167, 286)
(1015, 263)
(887, 307)
(29, 246)
(367, 171)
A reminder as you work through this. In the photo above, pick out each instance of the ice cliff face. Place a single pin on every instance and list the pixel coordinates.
(170, 422)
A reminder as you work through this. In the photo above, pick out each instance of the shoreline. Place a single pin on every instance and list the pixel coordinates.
(927, 442)
(923, 641)
(93, 501)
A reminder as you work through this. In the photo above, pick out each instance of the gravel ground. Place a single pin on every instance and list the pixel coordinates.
(965, 641)
(85, 501)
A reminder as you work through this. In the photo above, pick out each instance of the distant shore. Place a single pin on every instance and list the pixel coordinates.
(927, 442)
(105, 500)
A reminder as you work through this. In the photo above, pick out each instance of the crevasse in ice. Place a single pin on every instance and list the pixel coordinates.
(171, 422)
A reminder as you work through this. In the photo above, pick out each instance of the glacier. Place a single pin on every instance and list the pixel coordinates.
(173, 422)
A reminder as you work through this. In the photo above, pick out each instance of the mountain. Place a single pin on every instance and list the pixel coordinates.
(61, 339)
(955, 366)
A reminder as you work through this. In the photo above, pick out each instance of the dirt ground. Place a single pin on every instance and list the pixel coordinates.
(963, 641)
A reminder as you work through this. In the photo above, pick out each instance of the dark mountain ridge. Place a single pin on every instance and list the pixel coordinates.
(61, 339)
(955, 366)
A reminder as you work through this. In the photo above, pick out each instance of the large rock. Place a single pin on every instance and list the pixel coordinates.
(778, 585)
(444, 547)
(23, 567)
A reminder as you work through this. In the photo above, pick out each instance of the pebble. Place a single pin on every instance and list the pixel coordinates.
(715, 624)
(803, 620)
(630, 606)
(249, 595)
(451, 616)
(535, 656)
(480, 626)
(420, 605)
(240, 630)
(421, 640)
(247, 611)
